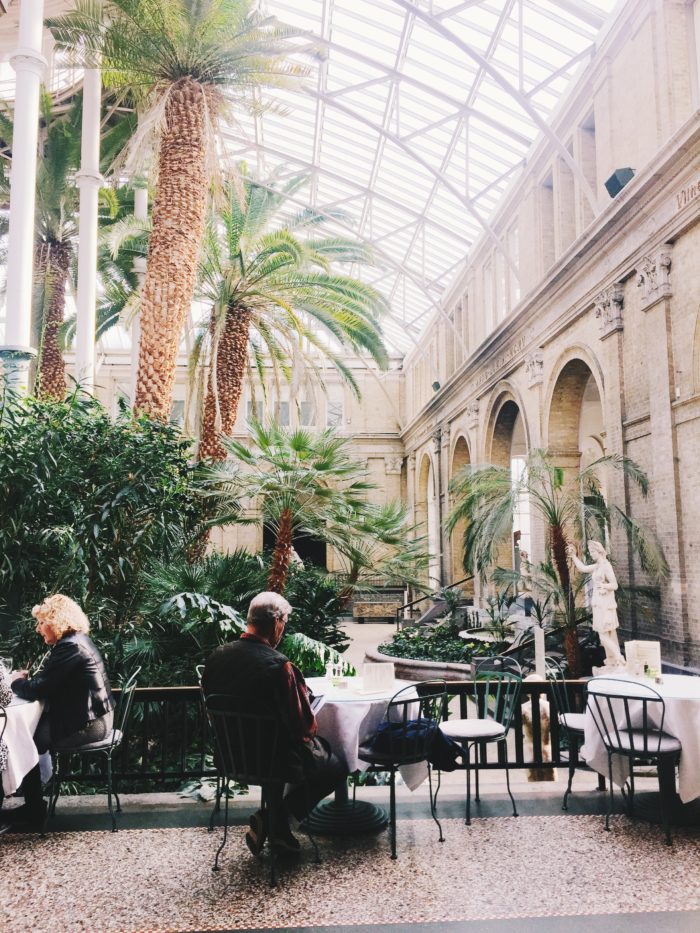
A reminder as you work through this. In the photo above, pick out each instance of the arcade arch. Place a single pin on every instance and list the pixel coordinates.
(460, 459)
(428, 516)
(509, 449)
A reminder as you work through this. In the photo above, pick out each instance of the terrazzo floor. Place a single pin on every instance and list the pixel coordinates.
(499, 868)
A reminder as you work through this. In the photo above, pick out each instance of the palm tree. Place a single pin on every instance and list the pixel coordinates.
(183, 62)
(305, 484)
(572, 509)
(272, 292)
(383, 543)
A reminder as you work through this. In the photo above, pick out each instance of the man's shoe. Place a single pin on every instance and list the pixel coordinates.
(256, 834)
(284, 841)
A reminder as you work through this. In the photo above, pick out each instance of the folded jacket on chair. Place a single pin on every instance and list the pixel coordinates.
(417, 737)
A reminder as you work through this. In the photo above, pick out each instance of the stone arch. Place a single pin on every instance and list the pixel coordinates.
(427, 515)
(575, 421)
(459, 458)
(507, 445)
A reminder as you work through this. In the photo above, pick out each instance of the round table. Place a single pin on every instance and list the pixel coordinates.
(22, 719)
(347, 718)
(681, 695)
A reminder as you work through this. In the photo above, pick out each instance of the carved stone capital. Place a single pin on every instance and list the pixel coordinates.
(446, 434)
(393, 464)
(608, 309)
(534, 367)
(654, 276)
(437, 440)
(473, 414)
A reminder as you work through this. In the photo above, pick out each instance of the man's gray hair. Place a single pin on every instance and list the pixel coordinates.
(265, 608)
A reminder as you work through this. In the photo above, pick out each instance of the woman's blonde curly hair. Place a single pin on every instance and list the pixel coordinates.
(62, 614)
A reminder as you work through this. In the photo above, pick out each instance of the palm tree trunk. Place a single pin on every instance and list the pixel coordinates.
(571, 643)
(54, 264)
(178, 223)
(226, 384)
(282, 554)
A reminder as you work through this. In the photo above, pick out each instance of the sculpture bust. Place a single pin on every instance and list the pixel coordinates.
(603, 604)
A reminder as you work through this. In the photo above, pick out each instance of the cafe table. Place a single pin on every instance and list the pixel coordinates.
(681, 696)
(348, 717)
(22, 719)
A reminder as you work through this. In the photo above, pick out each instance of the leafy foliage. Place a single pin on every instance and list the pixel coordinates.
(438, 644)
(87, 504)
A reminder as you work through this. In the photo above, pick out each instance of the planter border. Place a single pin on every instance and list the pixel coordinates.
(409, 669)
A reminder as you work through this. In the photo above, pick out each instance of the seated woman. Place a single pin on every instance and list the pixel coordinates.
(75, 689)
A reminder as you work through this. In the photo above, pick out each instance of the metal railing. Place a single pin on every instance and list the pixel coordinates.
(168, 740)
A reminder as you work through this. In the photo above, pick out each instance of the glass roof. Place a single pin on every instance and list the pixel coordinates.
(415, 117)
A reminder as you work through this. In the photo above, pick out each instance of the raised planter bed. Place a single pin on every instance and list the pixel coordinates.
(408, 669)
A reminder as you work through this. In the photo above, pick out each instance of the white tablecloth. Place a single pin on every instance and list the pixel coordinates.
(22, 719)
(682, 700)
(348, 718)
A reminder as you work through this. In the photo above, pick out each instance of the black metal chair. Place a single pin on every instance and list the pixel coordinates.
(106, 747)
(496, 696)
(570, 719)
(250, 750)
(221, 786)
(405, 736)
(629, 717)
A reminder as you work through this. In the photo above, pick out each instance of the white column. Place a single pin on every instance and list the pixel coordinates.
(29, 65)
(89, 181)
(139, 266)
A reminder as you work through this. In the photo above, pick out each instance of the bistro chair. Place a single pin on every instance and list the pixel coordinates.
(629, 717)
(570, 719)
(105, 747)
(220, 785)
(249, 747)
(496, 696)
(405, 737)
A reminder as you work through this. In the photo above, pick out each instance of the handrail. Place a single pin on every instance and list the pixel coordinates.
(429, 596)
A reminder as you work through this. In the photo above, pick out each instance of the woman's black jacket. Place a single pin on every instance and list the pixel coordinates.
(73, 683)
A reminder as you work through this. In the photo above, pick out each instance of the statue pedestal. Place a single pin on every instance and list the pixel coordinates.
(611, 670)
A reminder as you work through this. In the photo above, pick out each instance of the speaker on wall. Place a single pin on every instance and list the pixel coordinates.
(618, 180)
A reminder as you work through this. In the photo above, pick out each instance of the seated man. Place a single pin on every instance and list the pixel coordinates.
(253, 669)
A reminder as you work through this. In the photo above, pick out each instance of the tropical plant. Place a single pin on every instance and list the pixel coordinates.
(305, 484)
(88, 503)
(384, 543)
(273, 294)
(184, 64)
(572, 509)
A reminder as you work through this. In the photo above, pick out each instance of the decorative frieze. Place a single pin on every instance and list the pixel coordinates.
(393, 464)
(654, 276)
(608, 309)
(473, 414)
(534, 367)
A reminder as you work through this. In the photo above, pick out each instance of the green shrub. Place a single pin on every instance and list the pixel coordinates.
(437, 644)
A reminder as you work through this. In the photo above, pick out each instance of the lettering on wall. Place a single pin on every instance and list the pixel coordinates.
(499, 362)
(688, 194)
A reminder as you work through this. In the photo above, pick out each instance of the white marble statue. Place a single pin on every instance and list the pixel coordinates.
(603, 604)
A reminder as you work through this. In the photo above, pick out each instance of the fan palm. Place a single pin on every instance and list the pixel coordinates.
(183, 62)
(305, 484)
(572, 509)
(273, 292)
(383, 543)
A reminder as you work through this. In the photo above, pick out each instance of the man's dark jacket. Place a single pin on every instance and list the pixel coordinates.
(74, 685)
(251, 673)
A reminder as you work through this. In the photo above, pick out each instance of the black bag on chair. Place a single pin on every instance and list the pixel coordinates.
(442, 752)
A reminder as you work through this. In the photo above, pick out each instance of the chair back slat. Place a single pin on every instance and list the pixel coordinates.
(121, 716)
(248, 744)
(496, 694)
(629, 716)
